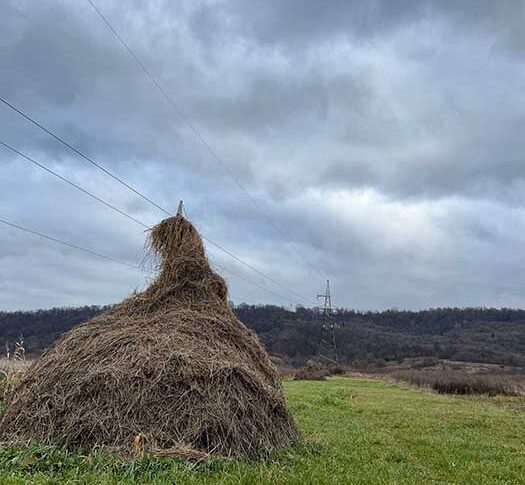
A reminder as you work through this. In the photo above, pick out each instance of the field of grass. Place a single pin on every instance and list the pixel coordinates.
(356, 432)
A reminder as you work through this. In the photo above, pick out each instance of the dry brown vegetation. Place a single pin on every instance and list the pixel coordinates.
(12, 368)
(166, 369)
(461, 382)
(312, 371)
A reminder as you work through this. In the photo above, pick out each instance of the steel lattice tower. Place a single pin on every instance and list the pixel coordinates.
(327, 348)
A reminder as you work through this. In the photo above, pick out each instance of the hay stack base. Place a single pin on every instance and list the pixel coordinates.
(172, 365)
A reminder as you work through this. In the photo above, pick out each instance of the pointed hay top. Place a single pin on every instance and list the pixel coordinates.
(184, 271)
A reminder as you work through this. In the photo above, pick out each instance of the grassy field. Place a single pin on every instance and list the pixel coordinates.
(356, 432)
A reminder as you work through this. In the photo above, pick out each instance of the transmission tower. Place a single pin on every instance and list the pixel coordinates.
(327, 349)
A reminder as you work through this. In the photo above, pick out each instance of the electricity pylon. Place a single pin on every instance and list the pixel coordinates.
(327, 348)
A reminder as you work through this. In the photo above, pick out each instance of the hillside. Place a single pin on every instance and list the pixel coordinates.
(472, 335)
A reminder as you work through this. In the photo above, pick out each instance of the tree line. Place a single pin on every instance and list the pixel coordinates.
(465, 334)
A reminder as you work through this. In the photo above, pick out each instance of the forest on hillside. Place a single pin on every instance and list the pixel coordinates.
(470, 334)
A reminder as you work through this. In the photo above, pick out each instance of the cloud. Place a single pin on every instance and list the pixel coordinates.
(384, 138)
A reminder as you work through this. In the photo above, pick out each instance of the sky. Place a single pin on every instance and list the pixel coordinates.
(383, 139)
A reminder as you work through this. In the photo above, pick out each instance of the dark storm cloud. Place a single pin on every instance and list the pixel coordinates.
(386, 137)
(421, 98)
(310, 21)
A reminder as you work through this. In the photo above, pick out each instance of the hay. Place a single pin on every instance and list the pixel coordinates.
(312, 371)
(171, 365)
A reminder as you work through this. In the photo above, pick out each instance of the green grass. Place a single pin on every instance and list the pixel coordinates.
(356, 432)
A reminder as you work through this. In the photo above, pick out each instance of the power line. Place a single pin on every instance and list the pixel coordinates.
(70, 245)
(200, 136)
(109, 258)
(43, 167)
(98, 199)
(85, 157)
(218, 266)
(72, 184)
(182, 208)
(79, 153)
(275, 282)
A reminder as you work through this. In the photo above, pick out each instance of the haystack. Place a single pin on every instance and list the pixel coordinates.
(312, 371)
(169, 367)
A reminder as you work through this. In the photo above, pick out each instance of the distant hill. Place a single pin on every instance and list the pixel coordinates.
(470, 334)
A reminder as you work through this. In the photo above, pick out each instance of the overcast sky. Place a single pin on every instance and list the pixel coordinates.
(386, 139)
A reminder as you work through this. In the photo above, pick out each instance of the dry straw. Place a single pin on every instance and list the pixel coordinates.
(312, 371)
(171, 365)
